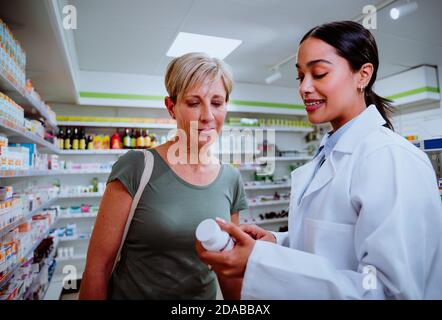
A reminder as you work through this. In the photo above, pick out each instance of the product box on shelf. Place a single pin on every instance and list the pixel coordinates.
(30, 149)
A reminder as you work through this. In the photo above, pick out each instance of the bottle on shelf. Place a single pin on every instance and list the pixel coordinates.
(105, 144)
(121, 134)
(61, 139)
(133, 140)
(75, 140)
(82, 144)
(126, 140)
(153, 139)
(67, 139)
(140, 139)
(97, 142)
(90, 143)
(116, 141)
(147, 140)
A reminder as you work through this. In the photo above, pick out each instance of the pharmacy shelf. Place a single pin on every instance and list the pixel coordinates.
(72, 258)
(93, 152)
(78, 216)
(80, 195)
(54, 290)
(22, 98)
(21, 135)
(263, 222)
(9, 275)
(77, 237)
(281, 129)
(299, 158)
(131, 125)
(269, 203)
(43, 173)
(29, 215)
(269, 186)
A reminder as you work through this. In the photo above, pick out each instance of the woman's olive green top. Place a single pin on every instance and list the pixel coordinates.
(158, 258)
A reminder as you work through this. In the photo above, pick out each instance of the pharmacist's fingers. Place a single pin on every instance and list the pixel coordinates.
(239, 235)
(252, 230)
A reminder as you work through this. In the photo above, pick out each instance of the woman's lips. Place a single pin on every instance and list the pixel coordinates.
(313, 105)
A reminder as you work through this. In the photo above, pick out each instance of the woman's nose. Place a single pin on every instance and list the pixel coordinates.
(206, 113)
(306, 86)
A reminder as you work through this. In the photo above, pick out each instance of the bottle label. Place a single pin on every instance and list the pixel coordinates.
(127, 141)
(75, 144)
(67, 144)
(82, 144)
(140, 142)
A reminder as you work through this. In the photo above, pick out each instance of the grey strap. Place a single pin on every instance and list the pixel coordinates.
(148, 167)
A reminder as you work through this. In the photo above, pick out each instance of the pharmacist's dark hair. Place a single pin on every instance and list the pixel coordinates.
(357, 45)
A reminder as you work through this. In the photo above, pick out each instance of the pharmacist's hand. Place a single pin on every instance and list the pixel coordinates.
(229, 264)
(258, 233)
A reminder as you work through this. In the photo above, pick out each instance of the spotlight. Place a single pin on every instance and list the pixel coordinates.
(273, 77)
(403, 10)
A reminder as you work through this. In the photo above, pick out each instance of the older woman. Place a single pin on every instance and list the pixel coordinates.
(158, 258)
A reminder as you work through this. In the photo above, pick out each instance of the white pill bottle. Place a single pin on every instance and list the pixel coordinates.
(212, 238)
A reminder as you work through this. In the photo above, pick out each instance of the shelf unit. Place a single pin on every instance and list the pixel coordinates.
(264, 222)
(270, 186)
(29, 215)
(43, 173)
(21, 135)
(9, 275)
(269, 203)
(23, 98)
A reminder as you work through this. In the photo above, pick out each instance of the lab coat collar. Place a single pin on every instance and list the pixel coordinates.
(369, 120)
(365, 123)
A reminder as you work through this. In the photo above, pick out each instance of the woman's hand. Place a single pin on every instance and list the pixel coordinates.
(258, 233)
(229, 264)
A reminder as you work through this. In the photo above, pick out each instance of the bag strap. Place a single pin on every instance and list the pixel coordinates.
(148, 168)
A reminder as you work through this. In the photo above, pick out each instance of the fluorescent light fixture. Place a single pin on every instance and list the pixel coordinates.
(403, 10)
(273, 77)
(191, 42)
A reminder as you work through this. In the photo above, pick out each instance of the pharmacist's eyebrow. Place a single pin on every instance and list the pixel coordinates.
(310, 63)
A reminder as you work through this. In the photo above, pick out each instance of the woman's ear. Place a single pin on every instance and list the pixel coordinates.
(365, 74)
(170, 105)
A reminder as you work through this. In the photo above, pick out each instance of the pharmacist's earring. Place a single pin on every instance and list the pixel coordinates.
(361, 89)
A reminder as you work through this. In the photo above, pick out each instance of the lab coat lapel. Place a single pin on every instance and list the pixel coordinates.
(324, 175)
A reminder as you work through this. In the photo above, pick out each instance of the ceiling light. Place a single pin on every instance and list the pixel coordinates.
(273, 77)
(192, 42)
(403, 10)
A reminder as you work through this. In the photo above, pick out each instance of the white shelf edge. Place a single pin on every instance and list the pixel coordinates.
(267, 221)
(82, 195)
(281, 129)
(41, 173)
(75, 238)
(116, 125)
(269, 203)
(93, 152)
(77, 216)
(268, 187)
(72, 258)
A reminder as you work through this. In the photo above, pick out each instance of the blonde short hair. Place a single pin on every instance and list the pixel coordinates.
(191, 69)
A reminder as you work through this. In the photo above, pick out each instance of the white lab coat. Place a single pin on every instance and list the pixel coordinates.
(368, 227)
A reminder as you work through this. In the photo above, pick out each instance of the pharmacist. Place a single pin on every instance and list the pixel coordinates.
(365, 218)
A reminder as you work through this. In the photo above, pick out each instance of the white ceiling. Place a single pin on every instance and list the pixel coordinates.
(133, 36)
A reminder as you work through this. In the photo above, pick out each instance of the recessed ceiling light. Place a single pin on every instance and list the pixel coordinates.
(193, 42)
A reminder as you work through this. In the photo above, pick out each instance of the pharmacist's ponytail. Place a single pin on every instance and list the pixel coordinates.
(382, 104)
(357, 45)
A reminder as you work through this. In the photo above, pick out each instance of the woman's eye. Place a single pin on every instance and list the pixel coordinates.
(320, 76)
(192, 104)
(217, 104)
(300, 78)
